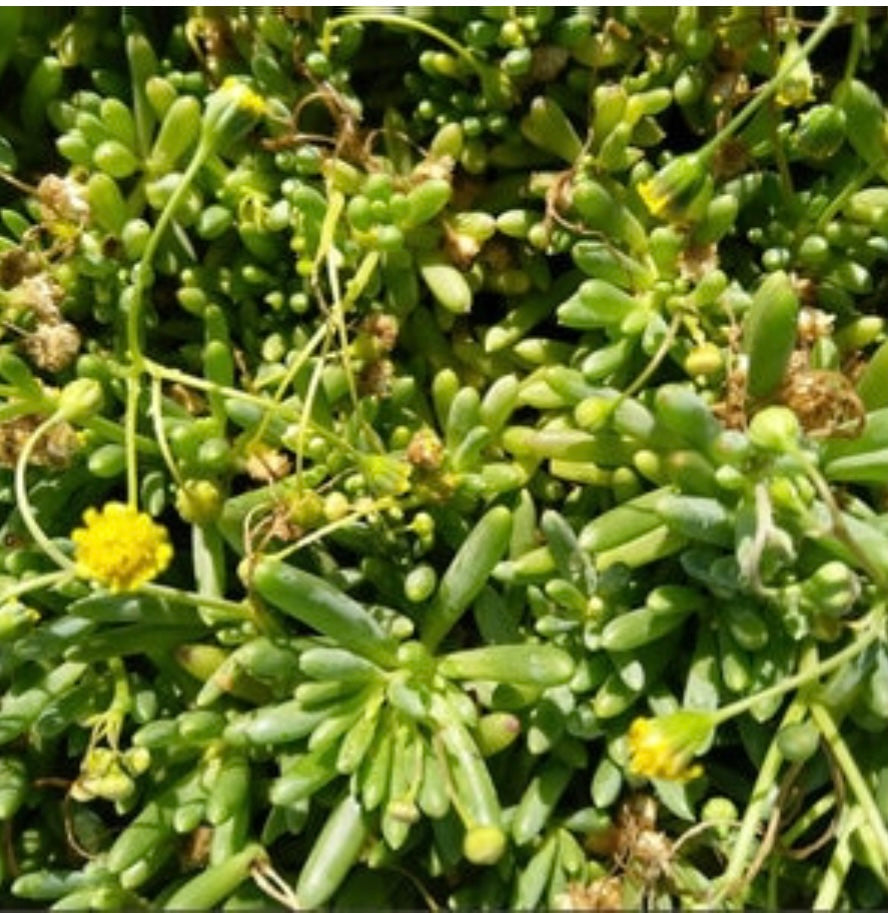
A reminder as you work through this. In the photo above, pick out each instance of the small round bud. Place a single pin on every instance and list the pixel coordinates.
(484, 845)
(80, 399)
(198, 501)
(775, 428)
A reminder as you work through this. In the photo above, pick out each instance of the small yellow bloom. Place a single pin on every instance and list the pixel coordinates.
(662, 748)
(797, 88)
(672, 192)
(231, 111)
(244, 97)
(386, 474)
(120, 547)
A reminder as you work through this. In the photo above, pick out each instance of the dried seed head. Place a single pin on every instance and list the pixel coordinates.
(40, 295)
(265, 464)
(15, 265)
(697, 261)
(62, 200)
(59, 444)
(376, 378)
(813, 324)
(425, 450)
(53, 346)
(382, 330)
(605, 893)
(54, 449)
(731, 158)
(825, 403)
(461, 249)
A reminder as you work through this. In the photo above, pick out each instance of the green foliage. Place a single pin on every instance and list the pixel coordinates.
(508, 386)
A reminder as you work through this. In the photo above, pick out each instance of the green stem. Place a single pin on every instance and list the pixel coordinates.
(857, 35)
(134, 313)
(287, 412)
(855, 779)
(235, 611)
(838, 201)
(839, 526)
(814, 671)
(839, 864)
(129, 429)
(292, 370)
(112, 431)
(39, 582)
(404, 22)
(24, 503)
(160, 433)
(122, 699)
(774, 84)
(804, 821)
(762, 798)
(134, 318)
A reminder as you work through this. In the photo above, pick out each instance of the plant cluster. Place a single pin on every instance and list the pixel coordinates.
(443, 458)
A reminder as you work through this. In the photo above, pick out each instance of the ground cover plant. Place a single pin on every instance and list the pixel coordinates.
(443, 458)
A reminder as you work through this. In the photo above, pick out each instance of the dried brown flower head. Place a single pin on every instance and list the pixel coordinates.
(52, 346)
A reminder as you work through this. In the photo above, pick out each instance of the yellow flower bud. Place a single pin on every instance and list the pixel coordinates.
(662, 748)
(671, 194)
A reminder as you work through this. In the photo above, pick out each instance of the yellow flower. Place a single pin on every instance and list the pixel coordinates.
(231, 111)
(662, 748)
(672, 192)
(386, 474)
(797, 88)
(120, 547)
(244, 97)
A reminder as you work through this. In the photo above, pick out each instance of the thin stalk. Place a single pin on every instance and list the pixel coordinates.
(855, 779)
(857, 35)
(39, 582)
(160, 432)
(404, 22)
(332, 526)
(810, 673)
(655, 360)
(234, 611)
(764, 792)
(337, 318)
(774, 84)
(313, 385)
(198, 383)
(841, 198)
(839, 864)
(841, 530)
(129, 428)
(295, 365)
(812, 814)
(24, 504)
(112, 431)
(134, 315)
